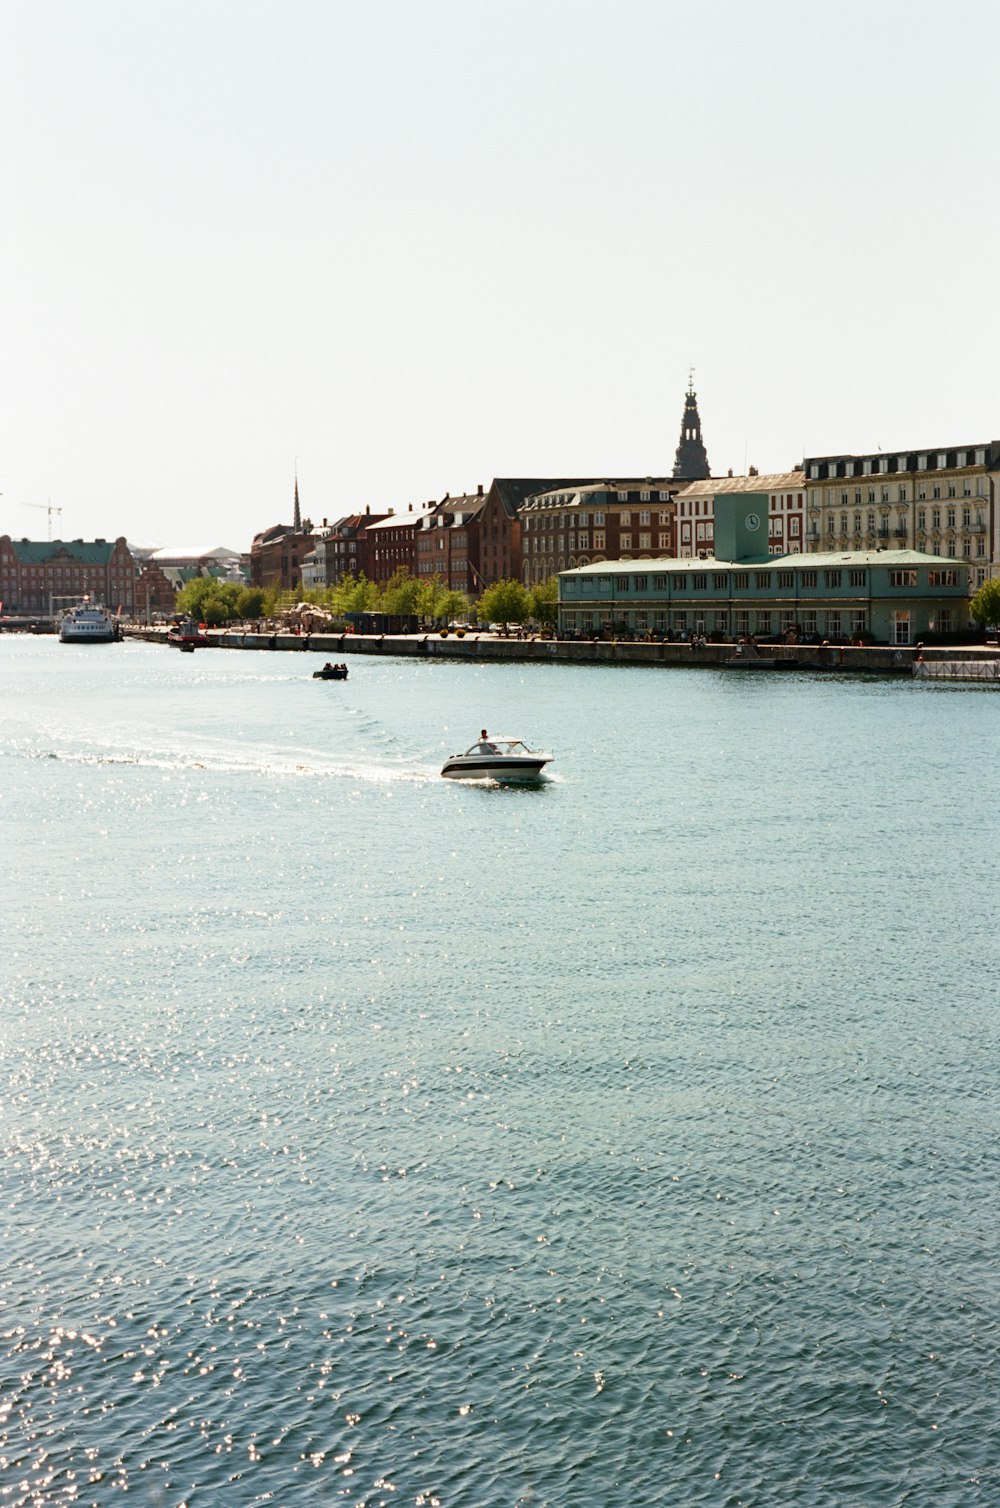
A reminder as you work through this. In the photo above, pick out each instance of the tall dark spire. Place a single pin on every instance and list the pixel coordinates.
(297, 516)
(690, 459)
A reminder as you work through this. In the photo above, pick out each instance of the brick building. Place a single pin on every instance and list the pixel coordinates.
(155, 593)
(344, 549)
(572, 526)
(447, 542)
(39, 577)
(392, 542)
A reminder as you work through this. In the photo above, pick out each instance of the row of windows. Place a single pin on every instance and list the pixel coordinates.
(950, 514)
(833, 579)
(885, 494)
(834, 623)
(583, 520)
(703, 507)
(936, 460)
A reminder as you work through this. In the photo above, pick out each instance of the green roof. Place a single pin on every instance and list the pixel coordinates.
(828, 560)
(39, 552)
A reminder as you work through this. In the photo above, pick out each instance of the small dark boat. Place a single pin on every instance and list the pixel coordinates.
(331, 673)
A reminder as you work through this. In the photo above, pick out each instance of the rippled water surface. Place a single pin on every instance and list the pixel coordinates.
(370, 1138)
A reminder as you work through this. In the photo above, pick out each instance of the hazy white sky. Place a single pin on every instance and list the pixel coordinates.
(414, 244)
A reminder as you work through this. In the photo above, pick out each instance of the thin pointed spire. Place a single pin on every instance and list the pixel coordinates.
(297, 516)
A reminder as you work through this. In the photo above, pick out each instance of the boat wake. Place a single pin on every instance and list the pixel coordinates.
(272, 763)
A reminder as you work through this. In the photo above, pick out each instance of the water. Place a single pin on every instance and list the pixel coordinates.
(370, 1138)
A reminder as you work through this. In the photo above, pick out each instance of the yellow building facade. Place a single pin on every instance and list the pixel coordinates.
(941, 502)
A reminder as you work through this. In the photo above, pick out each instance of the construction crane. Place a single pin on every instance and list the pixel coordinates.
(48, 509)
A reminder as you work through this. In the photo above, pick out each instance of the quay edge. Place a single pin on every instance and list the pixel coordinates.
(880, 659)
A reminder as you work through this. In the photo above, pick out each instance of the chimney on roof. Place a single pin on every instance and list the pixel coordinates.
(368, 507)
(479, 489)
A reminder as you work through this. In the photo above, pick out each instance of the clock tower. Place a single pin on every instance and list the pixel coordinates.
(741, 526)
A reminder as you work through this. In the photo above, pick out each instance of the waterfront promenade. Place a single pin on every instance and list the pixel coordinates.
(879, 659)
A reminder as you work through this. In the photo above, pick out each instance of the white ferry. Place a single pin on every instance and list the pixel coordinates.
(87, 623)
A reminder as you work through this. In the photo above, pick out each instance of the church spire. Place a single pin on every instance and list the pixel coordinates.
(297, 516)
(690, 459)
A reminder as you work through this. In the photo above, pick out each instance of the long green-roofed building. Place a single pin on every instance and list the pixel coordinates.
(887, 596)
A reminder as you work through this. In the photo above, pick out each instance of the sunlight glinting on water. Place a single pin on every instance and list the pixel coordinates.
(371, 1137)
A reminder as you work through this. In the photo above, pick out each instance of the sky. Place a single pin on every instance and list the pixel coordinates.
(399, 247)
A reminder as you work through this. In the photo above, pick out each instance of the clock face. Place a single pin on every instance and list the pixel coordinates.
(752, 521)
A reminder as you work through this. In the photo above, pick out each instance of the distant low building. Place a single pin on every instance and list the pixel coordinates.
(44, 576)
(214, 560)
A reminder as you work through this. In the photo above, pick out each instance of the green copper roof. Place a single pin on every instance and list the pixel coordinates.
(84, 552)
(797, 562)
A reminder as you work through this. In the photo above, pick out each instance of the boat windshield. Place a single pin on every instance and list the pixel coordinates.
(498, 746)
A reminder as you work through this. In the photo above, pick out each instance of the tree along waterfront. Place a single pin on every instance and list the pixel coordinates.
(403, 596)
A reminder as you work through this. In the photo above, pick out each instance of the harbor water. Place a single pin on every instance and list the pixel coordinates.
(370, 1138)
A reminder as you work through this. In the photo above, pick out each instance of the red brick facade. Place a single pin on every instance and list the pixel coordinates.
(42, 577)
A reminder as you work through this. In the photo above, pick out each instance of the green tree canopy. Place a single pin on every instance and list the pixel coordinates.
(401, 594)
(985, 605)
(355, 594)
(506, 602)
(545, 600)
(209, 600)
(454, 604)
(250, 602)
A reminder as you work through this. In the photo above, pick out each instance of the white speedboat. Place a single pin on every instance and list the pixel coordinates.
(87, 623)
(497, 758)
